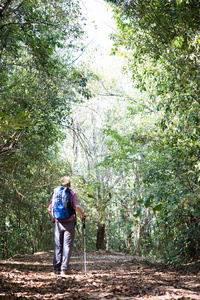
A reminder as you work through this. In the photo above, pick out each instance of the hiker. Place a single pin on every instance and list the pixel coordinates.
(64, 226)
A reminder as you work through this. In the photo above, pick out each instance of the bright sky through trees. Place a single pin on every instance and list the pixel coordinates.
(99, 24)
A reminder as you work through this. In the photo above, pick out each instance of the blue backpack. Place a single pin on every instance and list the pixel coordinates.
(61, 205)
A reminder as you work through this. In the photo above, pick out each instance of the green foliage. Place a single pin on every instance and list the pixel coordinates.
(161, 44)
(39, 42)
(37, 84)
(136, 172)
(26, 192)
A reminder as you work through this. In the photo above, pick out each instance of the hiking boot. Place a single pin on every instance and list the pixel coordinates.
(56, 271)
(65, 272)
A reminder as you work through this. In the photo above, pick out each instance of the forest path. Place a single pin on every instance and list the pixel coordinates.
(109, 276)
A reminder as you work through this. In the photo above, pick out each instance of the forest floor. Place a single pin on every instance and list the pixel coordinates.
(108, 276)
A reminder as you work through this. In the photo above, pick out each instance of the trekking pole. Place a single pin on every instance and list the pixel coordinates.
(84, 239)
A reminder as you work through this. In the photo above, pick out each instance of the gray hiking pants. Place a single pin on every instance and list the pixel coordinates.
(63, 239)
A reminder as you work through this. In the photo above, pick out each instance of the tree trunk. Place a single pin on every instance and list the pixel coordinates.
(100, 244)
(129, 242)
(108, 233)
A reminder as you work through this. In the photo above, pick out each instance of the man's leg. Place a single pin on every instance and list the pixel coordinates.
(68, 240)
(58, 246)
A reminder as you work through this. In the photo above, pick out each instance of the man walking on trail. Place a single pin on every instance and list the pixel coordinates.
(64, 231)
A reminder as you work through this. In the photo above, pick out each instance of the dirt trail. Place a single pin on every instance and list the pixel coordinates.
(109, 276)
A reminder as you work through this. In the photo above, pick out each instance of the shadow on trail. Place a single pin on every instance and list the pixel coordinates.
(107, 277)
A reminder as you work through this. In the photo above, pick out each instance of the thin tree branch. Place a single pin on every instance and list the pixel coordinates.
(11, 144)
(20, 193)
(12, 10)
(4, 7)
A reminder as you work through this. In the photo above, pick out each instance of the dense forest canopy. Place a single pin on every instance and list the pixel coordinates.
(39, 42)
(133, 157)
(161, 42)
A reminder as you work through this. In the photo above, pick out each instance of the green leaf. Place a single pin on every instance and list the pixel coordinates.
(147, 202)
(157, 207)
(139, 211)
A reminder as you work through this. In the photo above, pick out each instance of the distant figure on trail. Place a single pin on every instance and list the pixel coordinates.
(62, 208)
